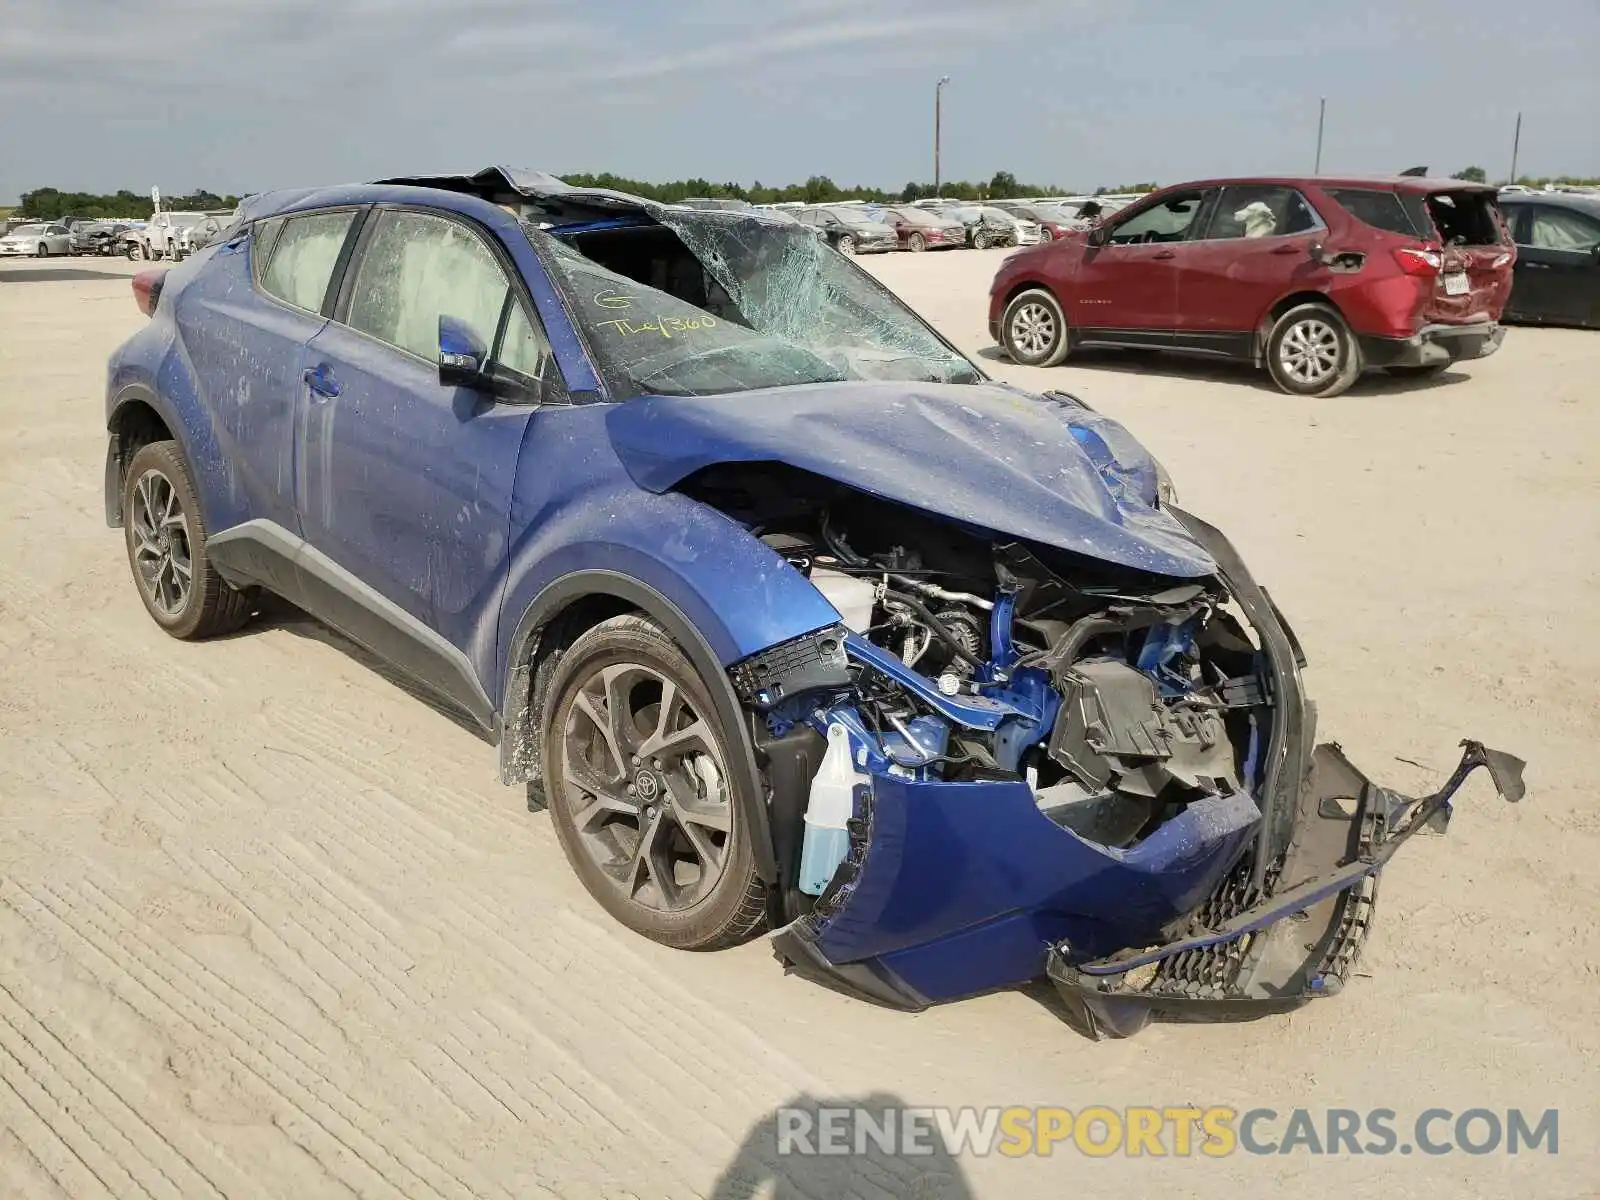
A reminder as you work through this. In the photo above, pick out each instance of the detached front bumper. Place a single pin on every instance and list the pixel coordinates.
(1433, 345)
(1251, 951)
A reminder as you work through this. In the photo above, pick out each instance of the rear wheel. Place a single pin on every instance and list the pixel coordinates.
(640, 790)
(166, 540)
(916, 243)
(1311, 352)
(1033, 329)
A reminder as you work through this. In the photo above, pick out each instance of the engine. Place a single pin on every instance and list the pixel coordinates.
(1120, 697)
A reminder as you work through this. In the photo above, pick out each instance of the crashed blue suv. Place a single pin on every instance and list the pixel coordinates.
(790, 616)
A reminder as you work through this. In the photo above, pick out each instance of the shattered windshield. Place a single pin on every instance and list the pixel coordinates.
(703, 304)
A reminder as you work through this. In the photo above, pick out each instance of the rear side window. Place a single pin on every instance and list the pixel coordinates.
(303, 257)
(1261, 210)
(1377, 208)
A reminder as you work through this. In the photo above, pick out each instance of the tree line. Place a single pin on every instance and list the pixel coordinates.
(819, 189)
(49, 204)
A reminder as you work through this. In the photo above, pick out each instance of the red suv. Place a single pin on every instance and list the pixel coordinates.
(1315, 278)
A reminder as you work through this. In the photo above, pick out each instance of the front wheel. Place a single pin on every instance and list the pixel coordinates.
(166, 539)
(980, 240)
(1033, 329)
(847, 244)
(1044, 234)
(646, 807)
(44, 251)
(916, 243)
(1311, 352)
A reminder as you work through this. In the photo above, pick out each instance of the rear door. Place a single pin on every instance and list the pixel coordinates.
(244, 324)
(405, 483)
(1254, 250)
(1558, 265)
(1125, 292)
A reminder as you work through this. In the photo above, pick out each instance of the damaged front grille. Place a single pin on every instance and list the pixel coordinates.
(1213, 973)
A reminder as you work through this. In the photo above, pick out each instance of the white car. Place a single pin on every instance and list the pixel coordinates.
(38, 240)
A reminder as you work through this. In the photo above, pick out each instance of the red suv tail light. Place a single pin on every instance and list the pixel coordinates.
(147, 289)
(1418, 260)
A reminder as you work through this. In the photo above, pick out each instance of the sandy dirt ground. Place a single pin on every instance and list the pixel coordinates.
(269, 925)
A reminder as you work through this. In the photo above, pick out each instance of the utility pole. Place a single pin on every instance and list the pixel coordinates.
(1322, 114)
(938, 114)
(1516, 144)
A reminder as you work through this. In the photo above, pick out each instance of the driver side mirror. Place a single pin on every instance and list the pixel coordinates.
(464, 362)
(462, 357)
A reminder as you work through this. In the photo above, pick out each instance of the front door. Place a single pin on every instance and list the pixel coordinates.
(405, 483)
(1126, 291)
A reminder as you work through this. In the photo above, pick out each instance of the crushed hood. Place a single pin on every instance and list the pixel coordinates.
(1044, 469)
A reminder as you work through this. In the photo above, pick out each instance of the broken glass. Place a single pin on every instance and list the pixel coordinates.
(762, 304)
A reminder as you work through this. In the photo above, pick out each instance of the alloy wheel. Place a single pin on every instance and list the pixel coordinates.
(1033, 329)
(161, 552)
(1309, 351)
(647, 787)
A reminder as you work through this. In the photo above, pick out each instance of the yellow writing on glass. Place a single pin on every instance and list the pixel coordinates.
(665, 326)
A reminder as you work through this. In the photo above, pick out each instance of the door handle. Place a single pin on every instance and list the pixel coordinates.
(1288, 250)
(1164, 254)
(1533, 266)
(321, 381)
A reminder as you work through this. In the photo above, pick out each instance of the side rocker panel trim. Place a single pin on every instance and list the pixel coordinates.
(265, 553)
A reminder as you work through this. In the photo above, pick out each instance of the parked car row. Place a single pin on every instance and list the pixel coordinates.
(174, 235)
(1312, 278)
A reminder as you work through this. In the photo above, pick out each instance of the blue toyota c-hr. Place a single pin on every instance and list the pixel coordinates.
(790, 615)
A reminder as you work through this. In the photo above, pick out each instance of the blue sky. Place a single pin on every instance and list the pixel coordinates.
(244, 95)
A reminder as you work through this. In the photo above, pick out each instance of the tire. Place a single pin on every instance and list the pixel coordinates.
(162, 527)
(606, 792)
(133, 251)
(1427, 372)
(1045, 235)
(1033, 329)
(980, 240)
(846, 244)
(1311, 352)
(44, 250)
(916, 243)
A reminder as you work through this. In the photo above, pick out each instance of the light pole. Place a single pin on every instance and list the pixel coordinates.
(1322, 114)
(1516, 144)
(938, 114)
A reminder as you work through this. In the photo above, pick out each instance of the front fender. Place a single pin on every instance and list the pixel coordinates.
(731, 587)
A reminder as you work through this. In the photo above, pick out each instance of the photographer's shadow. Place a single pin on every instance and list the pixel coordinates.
(773, 1163)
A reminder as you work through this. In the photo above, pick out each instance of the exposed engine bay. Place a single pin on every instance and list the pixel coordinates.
(1119, 698)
